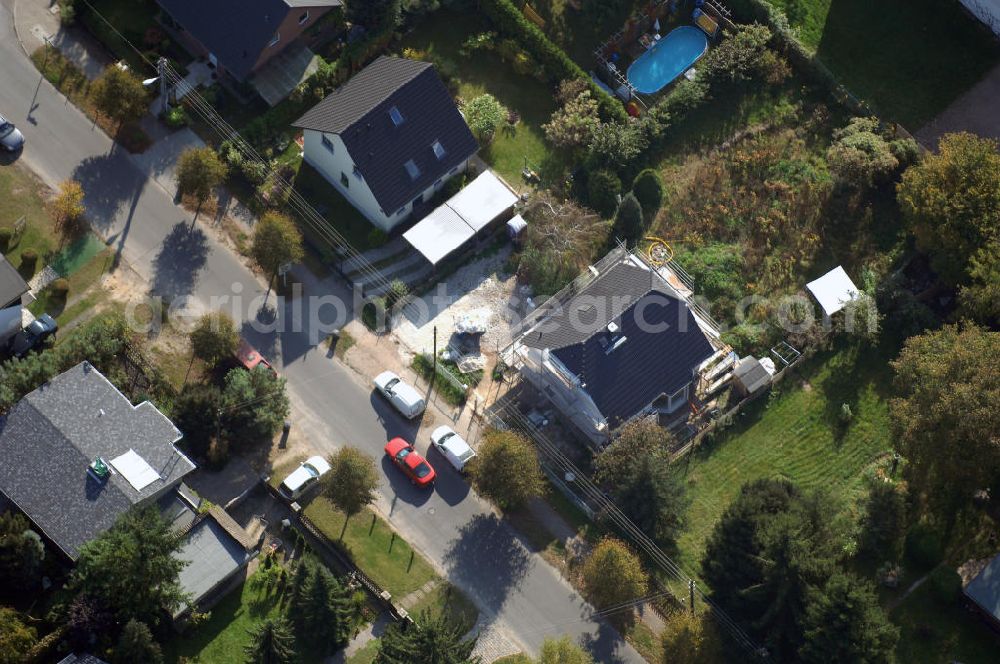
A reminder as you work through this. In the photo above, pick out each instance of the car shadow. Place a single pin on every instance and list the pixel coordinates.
(390, 419)
(401, 486)
(488, 557)
(8, 158)
(451, 485)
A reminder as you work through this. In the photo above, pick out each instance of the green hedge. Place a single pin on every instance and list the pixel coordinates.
(509, 21)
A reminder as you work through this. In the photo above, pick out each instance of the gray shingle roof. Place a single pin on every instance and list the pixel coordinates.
(211, 554)
(12, 286)
(358, 112)
(236, 31)
(51, 436)
(662, 346)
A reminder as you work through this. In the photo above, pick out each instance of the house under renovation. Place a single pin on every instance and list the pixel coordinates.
(623, 341)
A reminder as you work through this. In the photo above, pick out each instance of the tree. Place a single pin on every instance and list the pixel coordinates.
(119, 95)
(844, 623)
(199, 172)
(196, 413)
(21, 554)
(325, 614)
(860, 155)
(67, 207)
(648, 190)
(374, 15)
(136, 644)
(635, 468)
(572, 126)
(255, 404)
(689, 639)
(506, 470)
(136, 552)
(616, 145)
(946, 415)
(16, 638)
(603, 188)
(980, 298)
(951, 202)
(563, 651)
(737, 58)
(86, 621)
(276, 241)
(351, 482)
(629, 225)
(271, 642)
(433, 639)
(613, 575)
(883, 523)
(214, 337)
(484, 114)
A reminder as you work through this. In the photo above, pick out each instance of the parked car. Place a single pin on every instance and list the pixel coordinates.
(452, 446)
(403, 396)
(304, 477)
(250, 358)
(33, 336)
(11, 139)
(410, 462)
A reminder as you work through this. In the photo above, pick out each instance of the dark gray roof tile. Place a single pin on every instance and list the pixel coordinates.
(12, 286)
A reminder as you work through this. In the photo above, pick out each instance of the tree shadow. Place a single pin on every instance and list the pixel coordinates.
(487, 538)
(604, 644)
(182, 255)
(108, 181)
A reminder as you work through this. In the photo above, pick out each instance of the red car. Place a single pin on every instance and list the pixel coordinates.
(410, 462)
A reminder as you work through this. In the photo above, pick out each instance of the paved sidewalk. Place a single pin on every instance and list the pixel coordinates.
(36, 21)
(976, 111)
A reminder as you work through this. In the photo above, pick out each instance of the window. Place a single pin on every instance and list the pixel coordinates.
(343, 180)
(274, 39)
(397, 117)
(412, 169)
(453, 171)
(438, 150)
(418, 200)
(327, 143)
(402, 210)
(357, 173)
(304, 17)
(439, 182)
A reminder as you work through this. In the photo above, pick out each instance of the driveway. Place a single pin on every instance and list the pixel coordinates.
(521, 596)
(976, 111)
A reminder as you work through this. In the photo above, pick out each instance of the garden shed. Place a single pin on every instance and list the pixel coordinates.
(833, 290)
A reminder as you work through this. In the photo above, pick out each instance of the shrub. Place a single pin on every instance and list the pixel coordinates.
(773, 68)
(29, 259)
(377, 236)
(60, 287)
(5, 236)
(945, 584)
(617, 145)
(573, 125)
(218, 453)
(176, 117)
(923, 545)
(603, 187)
(629, 224)
(648, 189)
(484, 114)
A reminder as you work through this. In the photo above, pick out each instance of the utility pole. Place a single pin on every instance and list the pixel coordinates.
(161, 70)
(433, 375)
(691, 594)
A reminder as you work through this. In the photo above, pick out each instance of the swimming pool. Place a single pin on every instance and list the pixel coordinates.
(667, 59)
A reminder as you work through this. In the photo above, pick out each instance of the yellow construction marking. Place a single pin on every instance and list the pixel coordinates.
(659, 251)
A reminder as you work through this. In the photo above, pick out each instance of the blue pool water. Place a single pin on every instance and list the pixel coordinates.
(669, 58)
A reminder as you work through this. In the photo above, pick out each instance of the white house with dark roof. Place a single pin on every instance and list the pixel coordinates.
(75, 454)
(388, 139)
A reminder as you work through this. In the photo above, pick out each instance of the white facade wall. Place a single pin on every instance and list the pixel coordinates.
(331, 164)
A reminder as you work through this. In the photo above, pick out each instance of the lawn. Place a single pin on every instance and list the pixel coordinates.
(336, 210)
(450, 600)
(65, 309)
(23, 195)
(439, 39)
(908, 58)
(373, 545)
(794, 437)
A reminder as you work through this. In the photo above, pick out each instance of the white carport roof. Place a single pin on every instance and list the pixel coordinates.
(833, 290)
(457, 221)
(482, 200)
(439, 233)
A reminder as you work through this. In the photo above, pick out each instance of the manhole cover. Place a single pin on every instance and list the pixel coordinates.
(430, 511)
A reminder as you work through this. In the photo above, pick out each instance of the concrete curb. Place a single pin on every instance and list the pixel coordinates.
(17, 33)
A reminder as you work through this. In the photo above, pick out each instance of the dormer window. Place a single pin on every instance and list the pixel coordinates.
(438, 150)
(396, 116)
(412, 169)
(304, 18)
(274, 39)
(357, 173)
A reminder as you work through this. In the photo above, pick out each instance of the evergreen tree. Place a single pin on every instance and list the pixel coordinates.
(326, 614)
(431, 640)
(136, 644)
(21, 553)
(845, 623)
(271, 642)
(655, 499)
(883, 525)
(629, 224)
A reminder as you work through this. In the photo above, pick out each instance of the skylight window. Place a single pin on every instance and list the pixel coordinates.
(438, 149)
(397, 117)
(412, 169)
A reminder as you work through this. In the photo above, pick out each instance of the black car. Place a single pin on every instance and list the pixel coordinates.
(32, 336)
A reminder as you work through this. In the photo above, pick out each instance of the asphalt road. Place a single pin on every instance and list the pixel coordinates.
(518, 591)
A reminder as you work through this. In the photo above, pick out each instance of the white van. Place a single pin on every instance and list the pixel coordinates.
(403, 396)
(453, 447)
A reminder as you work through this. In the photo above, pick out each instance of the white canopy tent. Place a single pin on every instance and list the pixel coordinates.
(457, 221)
(439, 233)
(833, 290)
(987, 11)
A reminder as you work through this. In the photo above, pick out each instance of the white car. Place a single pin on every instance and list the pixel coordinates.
(304, 477)
(403, 396)
(452, 446)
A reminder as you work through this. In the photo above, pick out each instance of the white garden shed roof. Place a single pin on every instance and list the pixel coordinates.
(459, 219)
(482, 200)
(439, 233)
(833, 290)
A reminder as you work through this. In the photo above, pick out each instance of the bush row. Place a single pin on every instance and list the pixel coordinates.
(558, 66)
